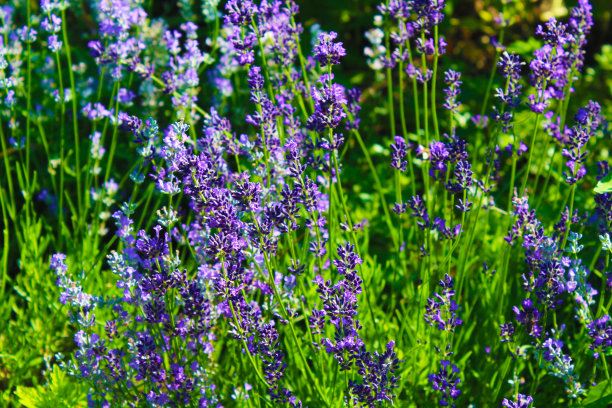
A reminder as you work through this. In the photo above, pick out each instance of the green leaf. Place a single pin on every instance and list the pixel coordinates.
(599, 396)
(29, 397)
(604, 185)
(525, 47)
(605, 58)
(60, 391)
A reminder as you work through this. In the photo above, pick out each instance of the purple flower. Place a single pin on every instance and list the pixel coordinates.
(73, 294)
(507, 332)
(439, 156)
(529, 317)
(426, 46)
(240, 12)
(255, 79)
(326, 51)
(399, 151)
(446, 381)
(600, 331)
(428, 12)
(555, 32)
(587, 122)
(397, 9)
(353, 96)
(378, 376)
(523, 401)
(444, 231)
(463, 177)
(417, 205)
(510, 65)
(328, 103)
(340, 306)
(348, 259)
(54, 43)
(441, 310)
(451, 78)
(580, 24)
(550, 282)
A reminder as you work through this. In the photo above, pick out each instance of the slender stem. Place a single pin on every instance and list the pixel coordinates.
(571, 212)
(7, 169)
(547, 181)
(389, 81)
(7, 242)
(434, 107)
(28, 96)
(60, 78)
(330, 210)
(415, 97)
(425, 167)
(487, 95)
(390, 101)
(245, 346)
(531, 146)
(405, 130)
(379, 187)
(355, 243)
(75, 126)
(605, 365)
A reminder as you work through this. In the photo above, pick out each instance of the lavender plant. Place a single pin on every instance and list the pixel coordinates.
(199, 209)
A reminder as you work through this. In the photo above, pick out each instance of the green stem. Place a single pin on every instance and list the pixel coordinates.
(28, 96)
(531, 146)
(60, 214)
(74, 116)
(379, 187)
(405, 130)
(355, 243)
(434, 107)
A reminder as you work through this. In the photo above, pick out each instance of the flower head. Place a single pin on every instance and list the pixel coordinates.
(326, 51)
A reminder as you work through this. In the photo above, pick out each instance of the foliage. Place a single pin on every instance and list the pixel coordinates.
(254, 203)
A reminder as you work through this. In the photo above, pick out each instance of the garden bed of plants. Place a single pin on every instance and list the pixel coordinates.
(251, 203)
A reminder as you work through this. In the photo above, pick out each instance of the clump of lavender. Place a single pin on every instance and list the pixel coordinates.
(587, 121)
(340, 307)
(510, 95)
(441, 313)
(560, 365)
(600, 331)
(238, 216)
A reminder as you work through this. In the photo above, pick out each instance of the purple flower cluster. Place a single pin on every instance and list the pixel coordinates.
(153, 334)
(329, 101)
(587, 122)
(340, 307)
(451, 78)
(239, 197)
(408, 20)
(601, 332)
(561, 57)
(522, 401)
(441, 313)
(398, 153)
(326, 51)
(510, 96)
(529, 316)
(560, 365)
